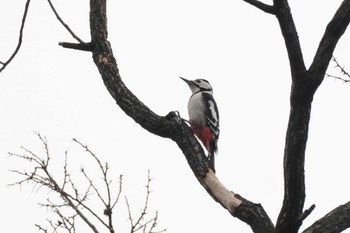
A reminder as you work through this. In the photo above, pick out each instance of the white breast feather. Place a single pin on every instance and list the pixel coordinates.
(194, 110)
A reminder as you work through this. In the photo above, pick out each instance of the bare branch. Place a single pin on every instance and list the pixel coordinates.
(94, 187)
(65, 221)
(119, 192)
(45, 179)
(66, 177)
(306, 213)
(335, 29)
(4, 64)
(145, 206)
(130, 215)
(305, 83)
(104, 169)
(262, 6)
(40, 228)
(338, 77)
(342, 71)
(83, 47)
(64, 24)
(291, 39)
(334, 222)
(73, 201)
(342, 68)
(141, 223)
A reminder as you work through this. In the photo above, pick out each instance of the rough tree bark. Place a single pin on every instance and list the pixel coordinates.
(304, 85)
(335, 221)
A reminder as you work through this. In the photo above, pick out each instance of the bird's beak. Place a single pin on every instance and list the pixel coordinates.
(189, 82)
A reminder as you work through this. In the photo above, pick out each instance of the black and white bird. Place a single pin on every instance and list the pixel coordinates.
(204, 116)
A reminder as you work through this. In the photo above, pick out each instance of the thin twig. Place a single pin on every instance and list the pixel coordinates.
(342, 68)
(342, 71)
(143, 212)
(64, 24)
(40, 228)
(130, 215)
(74, 200)
(337, 77)
(119, 192)
(4, 64)
(147, 226)
(93, 186)
(47, 180)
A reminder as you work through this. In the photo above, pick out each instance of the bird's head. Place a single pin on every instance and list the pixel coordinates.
(198, 85)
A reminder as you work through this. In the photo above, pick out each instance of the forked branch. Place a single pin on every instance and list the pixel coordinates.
(83, 46)
(64, 24)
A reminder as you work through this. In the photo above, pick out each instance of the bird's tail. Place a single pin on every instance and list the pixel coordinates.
(212, 149)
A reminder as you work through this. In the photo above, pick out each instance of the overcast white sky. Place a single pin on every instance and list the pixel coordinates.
(240, 50)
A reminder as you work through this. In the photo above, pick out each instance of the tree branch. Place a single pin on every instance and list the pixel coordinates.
(335, 29)
(170, 126)
(291, 217)
(72, 203)
(41, 176)
(342, 68)
(304, 85)
(141, 222)
(334, 222)
(83, 47)
(343, 72)
(294, 156)
(291, 39)
(306, 213)
(297, 132)
(255, 216)
(64, 24)
(4, 64)
(262, 6)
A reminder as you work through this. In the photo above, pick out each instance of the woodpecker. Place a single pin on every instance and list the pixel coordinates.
(204, 116)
